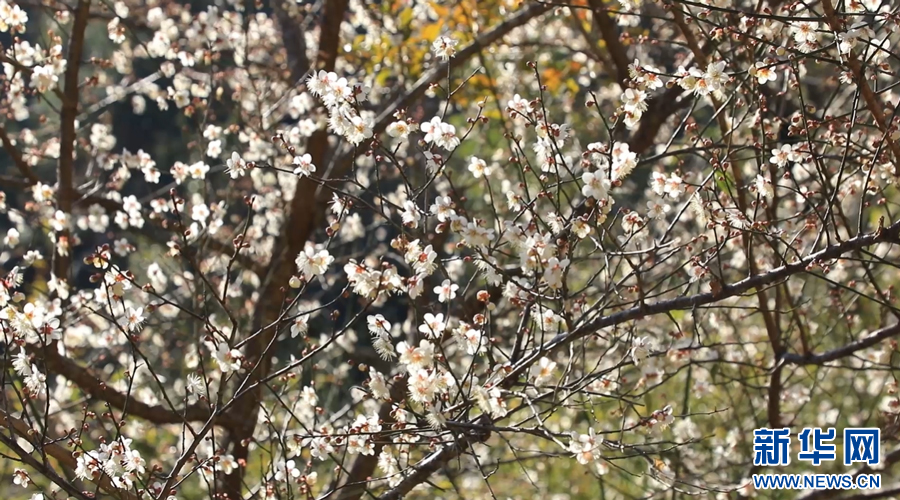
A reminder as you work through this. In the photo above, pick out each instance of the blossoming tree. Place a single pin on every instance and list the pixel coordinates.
(472, 249)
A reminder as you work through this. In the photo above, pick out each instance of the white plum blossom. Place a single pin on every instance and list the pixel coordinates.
(444, 47)
(304, 166)
(433, 326)
(440, 134)
(553, 273)
(446, 291)
(543, 371)
(229, 360)
(764, 73)
(586, 447)
(473, 340)
(313, 262)
(135, 317)
(595, 185)
(237, 167)
(399, 129)
(416, 358)
(378, 325)
(478, 167)
(519, 106)
(764, 187)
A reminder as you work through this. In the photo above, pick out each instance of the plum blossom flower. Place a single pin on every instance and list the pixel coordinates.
(444, 47)
(623, 161)
(228, 359)
(697, 273)
(378, 325)
(287, 469)
(304, 165)
(446, 291)
(715, 77)
(12, 237)
(553, 273)
(43, 78)
(478, 167)
(764, 187)
(520, 106)
(378, 385)
(312, 262)
(490, 401)
(473, 340)
(398, 130)
(440, 134)
(300, 325)
(21, 478)
(764, 73)
(416, 358)
(433, 326)
(674, 186)
(585, 446)
(422, 386)
(236, 166)
(135, 317)
(781, 156)
(542, 371)
(640, 349)
(595, 185)
(634, 100)
(657, 210)
(442, 208)
(360, 129)
(381, 342)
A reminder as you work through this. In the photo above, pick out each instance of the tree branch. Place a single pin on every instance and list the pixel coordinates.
(842, 352)
(430, 464)
(41, 466)
(96, 388)
(772, 327)
(859, 76)
(296, 232)
(64, 456)
(65, 193)
(16, 156)
(354, 484)
(890, 234)
(609, 32)
(292, 33)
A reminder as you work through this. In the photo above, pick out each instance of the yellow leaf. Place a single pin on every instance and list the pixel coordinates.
(552, 78)
(430, 32)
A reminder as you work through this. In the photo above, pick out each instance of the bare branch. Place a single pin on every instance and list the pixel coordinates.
(22, 429)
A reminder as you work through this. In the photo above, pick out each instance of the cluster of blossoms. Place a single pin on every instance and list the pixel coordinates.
(586, 448)
(43, 67)
(12, 18)
(644, 79)
(440, 134)
(117, 460)
(806, 35)
(510, 282)
(712, 81)
(35, 381)
(342, 99)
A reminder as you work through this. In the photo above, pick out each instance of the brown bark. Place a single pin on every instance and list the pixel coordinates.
(297, 231)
